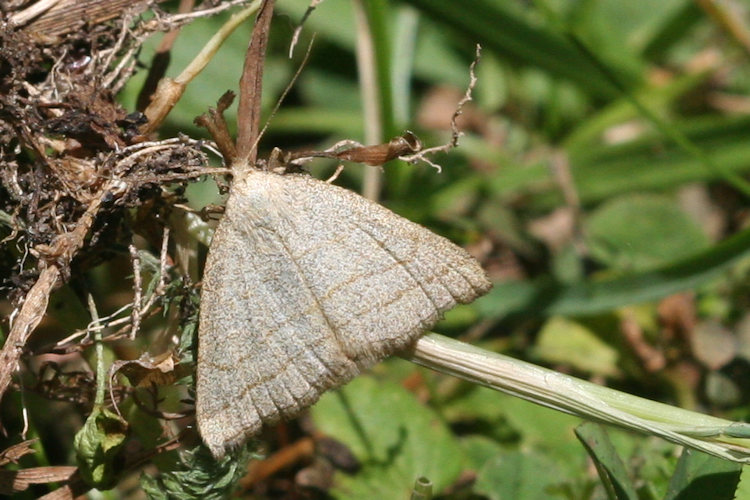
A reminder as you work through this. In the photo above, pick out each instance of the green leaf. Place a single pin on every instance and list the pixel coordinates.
(638, 232)
(699, 475)
(97, 445)
(517, 475)
(611, 469)
(479, 450)
(199, 476)
(515, 422)
(396, 439)
(564, 341)
(743, 489)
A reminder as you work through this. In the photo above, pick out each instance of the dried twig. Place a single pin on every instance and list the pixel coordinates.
(183, 19)
(77, 487)
(19, 480)
(160, 61)
(36, 9)
(135, 312)
(251, 87)
(52, 18)
(138, 309)
(28, 317)
(283, 95)
(406, 147)
(169, 90)
(455, 133)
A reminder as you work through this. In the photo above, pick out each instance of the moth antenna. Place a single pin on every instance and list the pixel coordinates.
(283, 95)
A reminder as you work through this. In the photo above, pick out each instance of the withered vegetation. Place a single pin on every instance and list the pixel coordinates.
(78, 176)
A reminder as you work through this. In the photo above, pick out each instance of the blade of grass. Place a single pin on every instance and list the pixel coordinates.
(549, 388)
(673, 31)
(643, 164)
(666, 128)
(612, 471)
(496, 27)
(592, 297)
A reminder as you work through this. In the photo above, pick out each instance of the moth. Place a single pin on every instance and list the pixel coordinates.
(306, 285)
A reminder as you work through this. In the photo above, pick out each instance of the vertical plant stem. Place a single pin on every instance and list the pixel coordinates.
(101, 373)
(405, 36)
(368, 82)
(422, 489)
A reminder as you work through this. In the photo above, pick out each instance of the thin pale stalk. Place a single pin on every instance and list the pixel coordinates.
(368, 82)
(722, 438)
(101, 372)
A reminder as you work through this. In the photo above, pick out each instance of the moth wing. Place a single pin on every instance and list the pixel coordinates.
(381, 279)
(307, 284)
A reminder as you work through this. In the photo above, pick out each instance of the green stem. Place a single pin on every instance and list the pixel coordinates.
(422, 489)
(101, 372)
(719, 437)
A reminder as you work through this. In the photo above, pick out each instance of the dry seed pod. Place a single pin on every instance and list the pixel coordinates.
(378, 154)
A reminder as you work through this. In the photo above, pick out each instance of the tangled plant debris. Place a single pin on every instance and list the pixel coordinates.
(78, 176)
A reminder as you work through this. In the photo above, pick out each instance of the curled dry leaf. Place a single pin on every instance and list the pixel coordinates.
(147, 371)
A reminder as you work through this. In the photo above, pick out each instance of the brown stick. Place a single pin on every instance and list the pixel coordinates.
(77, 487)
(161, 59)
(14, 481)
(28, 318)
(251, 87)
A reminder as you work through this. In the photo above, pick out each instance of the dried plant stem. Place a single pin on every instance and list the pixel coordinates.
(298, 29)
(76, 487)
(31, 12)
(719, 437)
(423, 154)
(29, 316)
(169, 90)
(182, 19)
(57, 17)
(251, 88)
(161, 59)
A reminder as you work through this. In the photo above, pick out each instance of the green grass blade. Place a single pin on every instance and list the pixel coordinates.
(592, 297)
(496, 27)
